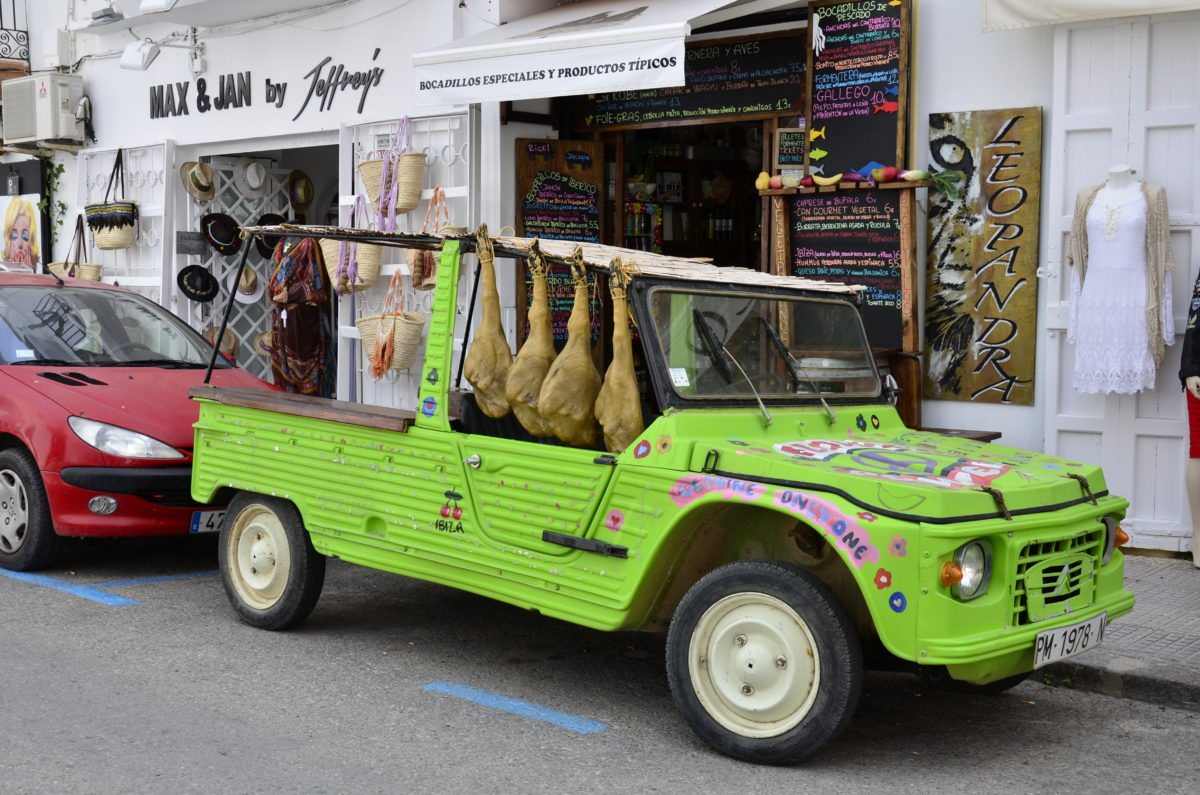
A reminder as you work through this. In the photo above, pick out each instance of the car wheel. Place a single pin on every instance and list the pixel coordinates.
(937, 676)
(27, 537)
(271, 573)
(763, 662)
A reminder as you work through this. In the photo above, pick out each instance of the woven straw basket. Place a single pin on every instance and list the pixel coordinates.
(409, 173)
(83, 270)
(367, 257)
(115, 237)
(407, 329)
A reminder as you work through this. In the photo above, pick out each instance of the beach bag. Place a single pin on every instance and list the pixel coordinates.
(113, 221)
(391, 338)
(422, 263)
(352, 266)
(393, 181)
(74, 265)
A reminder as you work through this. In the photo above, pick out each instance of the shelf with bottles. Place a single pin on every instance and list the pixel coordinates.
(644, 226)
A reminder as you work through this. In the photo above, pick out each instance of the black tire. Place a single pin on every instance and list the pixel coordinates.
(27, 537)
(270, 571)
(785, 621)
(937, 676)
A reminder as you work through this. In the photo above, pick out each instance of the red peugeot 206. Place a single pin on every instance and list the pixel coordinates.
(95, 420)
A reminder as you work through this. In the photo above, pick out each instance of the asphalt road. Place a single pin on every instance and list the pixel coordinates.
(123, 670)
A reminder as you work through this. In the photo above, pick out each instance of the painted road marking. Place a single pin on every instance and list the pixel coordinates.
(516, 706)
(94, 592)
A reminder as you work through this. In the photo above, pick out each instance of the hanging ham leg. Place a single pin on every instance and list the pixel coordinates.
(528, 371)
(619, 406)
(569, 393)
(490, 358)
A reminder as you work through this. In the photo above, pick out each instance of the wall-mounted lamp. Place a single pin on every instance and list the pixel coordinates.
(139, 55)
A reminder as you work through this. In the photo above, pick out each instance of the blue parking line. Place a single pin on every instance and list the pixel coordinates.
(518, 707)
(84, 591)
(147, 580)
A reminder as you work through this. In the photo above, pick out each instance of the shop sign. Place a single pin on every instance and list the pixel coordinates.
(320, 88)
(981, 291)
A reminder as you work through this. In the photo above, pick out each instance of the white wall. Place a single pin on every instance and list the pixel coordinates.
(960, 68)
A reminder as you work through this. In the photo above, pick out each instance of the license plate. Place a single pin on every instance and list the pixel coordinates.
(206, 521)
(1057, 644)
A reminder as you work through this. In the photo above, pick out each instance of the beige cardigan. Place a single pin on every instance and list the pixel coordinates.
(1159, 257)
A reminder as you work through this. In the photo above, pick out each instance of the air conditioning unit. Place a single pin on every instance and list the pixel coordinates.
(41, 108)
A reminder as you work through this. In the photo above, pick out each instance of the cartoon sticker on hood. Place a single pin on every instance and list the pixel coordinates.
(895, 462)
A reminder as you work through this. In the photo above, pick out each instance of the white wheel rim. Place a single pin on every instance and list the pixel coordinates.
(258, 556)
(14, 512)
(754, 665)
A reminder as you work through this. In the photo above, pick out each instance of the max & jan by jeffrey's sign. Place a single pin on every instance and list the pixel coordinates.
(325, 82)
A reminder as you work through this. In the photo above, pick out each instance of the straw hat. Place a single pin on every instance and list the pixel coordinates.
(262, 343)
(250, 176)
(229, 340)
(248, 289)
(300, 190)
(197, 180)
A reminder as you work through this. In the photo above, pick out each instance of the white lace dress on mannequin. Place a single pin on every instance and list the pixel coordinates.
(1107, 322)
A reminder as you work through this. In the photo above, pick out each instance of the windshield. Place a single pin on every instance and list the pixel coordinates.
(736, 345)
(87, 327)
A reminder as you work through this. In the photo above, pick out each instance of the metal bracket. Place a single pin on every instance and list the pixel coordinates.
(585, 544)
(710, 462)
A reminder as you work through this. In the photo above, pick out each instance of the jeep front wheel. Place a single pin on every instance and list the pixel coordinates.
(763, 662)
(271, 573)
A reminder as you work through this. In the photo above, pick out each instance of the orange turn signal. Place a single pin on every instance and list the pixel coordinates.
(952, 573)
(1122, 538)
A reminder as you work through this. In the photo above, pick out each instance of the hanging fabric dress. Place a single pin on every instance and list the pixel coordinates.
(1107, 322)
(299, 335)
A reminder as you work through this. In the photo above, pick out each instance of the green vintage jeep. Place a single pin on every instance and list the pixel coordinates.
(775, 518)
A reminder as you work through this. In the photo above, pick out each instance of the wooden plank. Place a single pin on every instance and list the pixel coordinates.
(383, 417)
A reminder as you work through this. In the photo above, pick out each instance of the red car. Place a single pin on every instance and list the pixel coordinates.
(95, 420)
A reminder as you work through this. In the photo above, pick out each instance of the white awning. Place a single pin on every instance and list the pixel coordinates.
(1009, 14)
(586, 47)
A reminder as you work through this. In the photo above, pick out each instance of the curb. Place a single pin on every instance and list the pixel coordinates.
(1113, 674)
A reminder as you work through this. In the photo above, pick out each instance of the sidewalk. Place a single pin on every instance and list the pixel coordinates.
(1152, 654)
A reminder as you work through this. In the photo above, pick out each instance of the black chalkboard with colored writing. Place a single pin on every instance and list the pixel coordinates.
(789, 148)
(857, 85)
(745, 78)
(559, 197)
(853, 237)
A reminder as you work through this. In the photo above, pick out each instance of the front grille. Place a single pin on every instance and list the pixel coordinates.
(1056, 577)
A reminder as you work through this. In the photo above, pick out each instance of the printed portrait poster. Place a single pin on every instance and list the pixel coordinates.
(22, 241)
(981, 280)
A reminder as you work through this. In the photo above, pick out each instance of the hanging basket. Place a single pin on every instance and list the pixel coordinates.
(338, 257)
(113, 221)
(406, 330)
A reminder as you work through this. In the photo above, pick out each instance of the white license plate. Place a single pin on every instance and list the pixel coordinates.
(1057, 644)
(206, 521)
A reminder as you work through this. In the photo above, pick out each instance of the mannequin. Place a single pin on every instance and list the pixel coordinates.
(1120, 313)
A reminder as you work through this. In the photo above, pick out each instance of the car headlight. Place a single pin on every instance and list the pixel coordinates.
(974, 559)
(120, 442)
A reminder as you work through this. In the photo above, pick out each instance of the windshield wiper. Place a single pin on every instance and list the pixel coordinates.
(795, 369)
(51, 362)
(171, 364)
(709, 337)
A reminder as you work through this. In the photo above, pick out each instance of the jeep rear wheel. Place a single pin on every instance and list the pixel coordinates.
(763, 662)
(270, 571)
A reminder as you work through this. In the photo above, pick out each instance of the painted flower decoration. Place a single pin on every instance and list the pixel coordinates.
(663, 445)
(867, 517)
(614, 520)
(883, 579)
(642, 450)
(898, 547)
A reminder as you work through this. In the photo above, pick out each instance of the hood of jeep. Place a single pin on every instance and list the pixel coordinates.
(911, 474)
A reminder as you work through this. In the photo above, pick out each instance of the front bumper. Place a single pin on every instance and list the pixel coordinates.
(169, 486)
(150, 501)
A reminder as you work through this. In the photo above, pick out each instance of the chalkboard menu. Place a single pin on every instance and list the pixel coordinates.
(857, 85)
(789, 148)
(560, 189)
(853, 237)
(747, 78)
